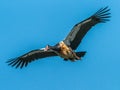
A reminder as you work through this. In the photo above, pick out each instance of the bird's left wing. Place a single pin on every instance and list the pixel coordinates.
(23, 60)
(79, 30)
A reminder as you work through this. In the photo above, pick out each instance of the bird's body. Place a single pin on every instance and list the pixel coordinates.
(66, 52)
(65, 48)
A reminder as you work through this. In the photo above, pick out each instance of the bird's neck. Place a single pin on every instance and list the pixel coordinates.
(55, 48)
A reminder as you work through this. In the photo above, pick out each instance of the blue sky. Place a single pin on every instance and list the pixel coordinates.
(26, 25)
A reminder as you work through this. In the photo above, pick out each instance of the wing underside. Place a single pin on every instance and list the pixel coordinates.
(79, 30)
(23, 60)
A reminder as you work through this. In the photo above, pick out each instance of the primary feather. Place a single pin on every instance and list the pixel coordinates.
(29, 57)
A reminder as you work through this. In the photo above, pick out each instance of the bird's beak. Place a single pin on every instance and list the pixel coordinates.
(46, 48)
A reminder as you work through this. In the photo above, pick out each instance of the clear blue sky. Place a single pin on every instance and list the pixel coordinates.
(31, 24)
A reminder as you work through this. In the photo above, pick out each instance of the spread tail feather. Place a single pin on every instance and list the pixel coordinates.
(81, 54)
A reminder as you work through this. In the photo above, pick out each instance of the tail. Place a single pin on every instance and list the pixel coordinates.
(81, 54)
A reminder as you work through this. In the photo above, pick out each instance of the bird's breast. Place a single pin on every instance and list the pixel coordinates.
(66, 51)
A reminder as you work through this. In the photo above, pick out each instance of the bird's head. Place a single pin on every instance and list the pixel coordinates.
(48, 47)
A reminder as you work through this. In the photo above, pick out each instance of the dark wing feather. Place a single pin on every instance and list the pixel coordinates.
(29, 57)
(79, 30)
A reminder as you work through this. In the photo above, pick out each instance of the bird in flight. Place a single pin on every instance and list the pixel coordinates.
(65, 48)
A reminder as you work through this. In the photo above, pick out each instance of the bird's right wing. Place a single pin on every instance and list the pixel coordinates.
(23, 60)
(79, 30)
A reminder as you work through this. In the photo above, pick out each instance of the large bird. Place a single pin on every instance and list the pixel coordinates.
(65, 48)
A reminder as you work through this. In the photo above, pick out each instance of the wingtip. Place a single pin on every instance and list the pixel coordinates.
(102, 15)
(16, 62)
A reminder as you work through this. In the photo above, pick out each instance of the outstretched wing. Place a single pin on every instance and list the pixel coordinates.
(29, 57)
(79, 30)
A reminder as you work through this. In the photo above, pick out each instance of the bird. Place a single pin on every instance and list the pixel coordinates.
(65, 48)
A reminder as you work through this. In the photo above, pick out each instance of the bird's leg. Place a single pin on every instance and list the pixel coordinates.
(76, 57)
